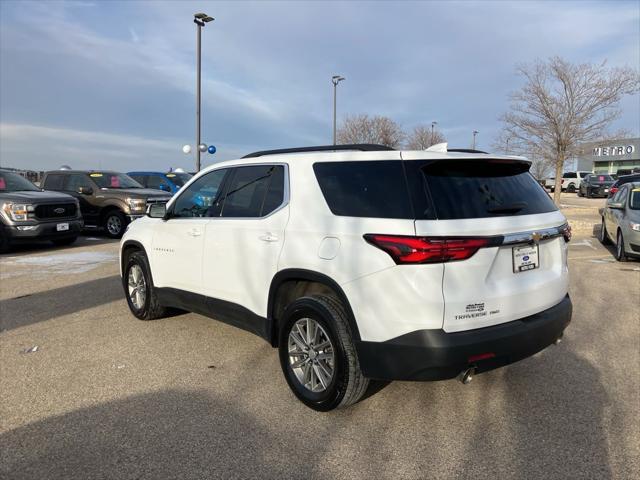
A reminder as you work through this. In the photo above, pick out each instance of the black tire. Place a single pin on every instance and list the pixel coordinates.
(571, 188)
(61, 242)
(580, 192)
(621, 256)
(114, 224)
(604, 238)
(347, 385)
(150, 308)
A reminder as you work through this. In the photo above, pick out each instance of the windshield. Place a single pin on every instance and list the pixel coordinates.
(179, 178)
(113, 180)
(634, 199)
(12, 182)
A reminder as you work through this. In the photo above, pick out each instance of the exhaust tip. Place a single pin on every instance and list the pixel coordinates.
(467, 375)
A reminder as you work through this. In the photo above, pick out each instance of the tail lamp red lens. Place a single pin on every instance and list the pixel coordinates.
(411, 250)
(613, 190)
(566, 232)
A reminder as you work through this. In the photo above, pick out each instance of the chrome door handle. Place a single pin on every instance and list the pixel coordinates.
(194, 232)
(269, 237)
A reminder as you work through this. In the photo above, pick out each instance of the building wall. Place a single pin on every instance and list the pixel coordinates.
(611, 156)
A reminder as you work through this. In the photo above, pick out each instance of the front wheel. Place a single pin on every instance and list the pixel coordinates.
(621, 256)
(571, 188)
(318, 355)
(138, 287)
(114, 224)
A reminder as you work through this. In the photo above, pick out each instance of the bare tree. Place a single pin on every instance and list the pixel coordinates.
(366, 129)
(563, 105)
(423, 137)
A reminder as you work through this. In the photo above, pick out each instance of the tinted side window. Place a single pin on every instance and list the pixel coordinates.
(247, 188)
(365, 189)
(54, 182)
(75, 181)
(480, 189)
(569, 175)
(201, 198)
(275, 193)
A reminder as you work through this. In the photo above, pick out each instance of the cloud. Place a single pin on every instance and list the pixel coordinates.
(128, 68)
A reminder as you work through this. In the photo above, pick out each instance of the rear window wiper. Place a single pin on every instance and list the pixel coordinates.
(512, 208)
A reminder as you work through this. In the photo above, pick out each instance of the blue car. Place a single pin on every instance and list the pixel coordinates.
(167, 182)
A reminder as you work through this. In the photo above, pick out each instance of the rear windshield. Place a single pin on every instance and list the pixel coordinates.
(457, 189)
(600, 178)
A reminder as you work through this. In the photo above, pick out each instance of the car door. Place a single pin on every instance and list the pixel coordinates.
(80, 186)
(243, 244)
(613, 216)
(178, 241)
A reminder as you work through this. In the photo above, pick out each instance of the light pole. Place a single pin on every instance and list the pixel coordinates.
(336, 79)
(200, 19)
(507, 152)
(433, 124)
(475, 132)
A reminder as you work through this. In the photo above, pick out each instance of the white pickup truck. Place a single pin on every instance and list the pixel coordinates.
(570, 181)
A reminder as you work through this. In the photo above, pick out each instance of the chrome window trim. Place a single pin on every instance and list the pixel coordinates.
(528, 236)
(285, 196)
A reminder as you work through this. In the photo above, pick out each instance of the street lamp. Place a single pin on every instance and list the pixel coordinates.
(475, 132)
(336, 79)
(433, 124)
(200, 19)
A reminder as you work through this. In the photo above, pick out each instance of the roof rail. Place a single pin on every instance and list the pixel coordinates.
(362, 147)
(465, 150)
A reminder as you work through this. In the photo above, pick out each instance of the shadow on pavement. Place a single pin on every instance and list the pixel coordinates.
(57, 302)
(84, 240)
(165, 434)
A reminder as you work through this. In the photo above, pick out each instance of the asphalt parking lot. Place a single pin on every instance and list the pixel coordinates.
(107, 396)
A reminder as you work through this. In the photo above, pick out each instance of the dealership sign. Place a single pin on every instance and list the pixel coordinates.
(610, 151)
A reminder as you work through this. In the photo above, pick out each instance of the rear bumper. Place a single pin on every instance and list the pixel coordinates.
(437, 355)
(41, 231)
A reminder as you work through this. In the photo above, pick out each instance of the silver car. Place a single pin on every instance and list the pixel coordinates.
(621, 221)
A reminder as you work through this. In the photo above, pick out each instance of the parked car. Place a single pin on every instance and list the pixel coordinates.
(27, 213)
(570, 181)
(108, 200)
(621, 221)
(634, 177)
(168, 182)
(359, 265)
(595, 185)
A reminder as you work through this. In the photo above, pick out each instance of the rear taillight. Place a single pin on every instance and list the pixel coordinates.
(410, 250)
(613, 190)
(566, 232)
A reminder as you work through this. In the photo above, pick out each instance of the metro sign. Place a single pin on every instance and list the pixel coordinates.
(611, 151)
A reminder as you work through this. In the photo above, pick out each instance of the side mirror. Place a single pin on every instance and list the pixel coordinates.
(85, 190)
(616, 205)
(157, 210)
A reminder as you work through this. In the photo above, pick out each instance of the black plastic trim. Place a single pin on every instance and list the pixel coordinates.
(437, 355)
(227, 312)
(311, 276)
(362, 147)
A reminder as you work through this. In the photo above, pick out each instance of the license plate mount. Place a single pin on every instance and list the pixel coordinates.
(525, 258)
(62, 227)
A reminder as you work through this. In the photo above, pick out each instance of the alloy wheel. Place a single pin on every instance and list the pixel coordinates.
(114, 225)
(311, 355)
(137, 286)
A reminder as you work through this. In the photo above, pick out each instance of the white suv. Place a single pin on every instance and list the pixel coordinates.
(359, 262)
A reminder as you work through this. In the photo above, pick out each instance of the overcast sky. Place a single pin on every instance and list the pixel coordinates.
(111, 84)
